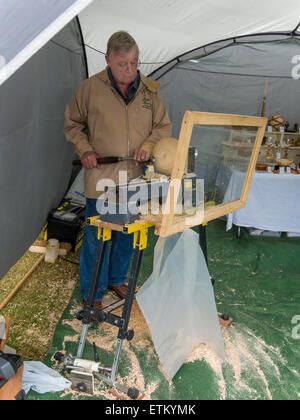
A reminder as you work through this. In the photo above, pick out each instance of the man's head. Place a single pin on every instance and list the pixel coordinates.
(122, 57)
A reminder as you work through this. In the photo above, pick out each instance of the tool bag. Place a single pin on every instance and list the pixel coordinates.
(11, 374)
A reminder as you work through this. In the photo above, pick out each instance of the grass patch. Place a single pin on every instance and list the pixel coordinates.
(39, 304)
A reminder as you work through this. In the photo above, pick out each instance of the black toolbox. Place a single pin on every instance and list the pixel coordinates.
(66, 223)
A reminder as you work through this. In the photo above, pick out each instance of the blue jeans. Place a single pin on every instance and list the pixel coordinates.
(116, 259)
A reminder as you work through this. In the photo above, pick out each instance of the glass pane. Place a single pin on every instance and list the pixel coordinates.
(221, 158)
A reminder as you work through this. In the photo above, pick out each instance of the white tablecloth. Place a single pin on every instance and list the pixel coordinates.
(273, 202)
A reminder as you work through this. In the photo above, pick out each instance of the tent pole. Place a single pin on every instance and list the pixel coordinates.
(83, 47)
(237, 39)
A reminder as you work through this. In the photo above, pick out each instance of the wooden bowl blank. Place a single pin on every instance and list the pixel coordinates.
(164, 153)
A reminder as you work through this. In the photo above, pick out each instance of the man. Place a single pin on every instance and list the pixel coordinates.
(113, 113)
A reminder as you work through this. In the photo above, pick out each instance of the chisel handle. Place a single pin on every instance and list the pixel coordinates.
(104, 160)
(111, 159)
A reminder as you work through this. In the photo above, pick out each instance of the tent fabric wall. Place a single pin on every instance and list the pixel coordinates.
(232, 80)
(35, 158)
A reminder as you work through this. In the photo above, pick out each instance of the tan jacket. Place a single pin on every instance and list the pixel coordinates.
(97, 119)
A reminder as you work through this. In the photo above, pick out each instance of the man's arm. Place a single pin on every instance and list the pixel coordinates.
(75, 129)
(76, 122)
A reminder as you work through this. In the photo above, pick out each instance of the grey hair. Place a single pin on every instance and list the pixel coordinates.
(121, 41)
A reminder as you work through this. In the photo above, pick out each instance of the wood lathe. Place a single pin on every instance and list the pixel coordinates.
(124, 203)
(84, 371)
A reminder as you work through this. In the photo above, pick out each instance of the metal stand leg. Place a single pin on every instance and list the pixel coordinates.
(102, 316)
(202, 241)
(224, 319)
(135, 268)
(203, 244)
(123, 333)
(91, 296)
(82, 340)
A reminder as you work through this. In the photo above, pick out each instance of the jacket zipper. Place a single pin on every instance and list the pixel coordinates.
(127, 126)
(128, 136)
(128, 143)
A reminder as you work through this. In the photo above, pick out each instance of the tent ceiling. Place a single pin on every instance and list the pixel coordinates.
(164, 29)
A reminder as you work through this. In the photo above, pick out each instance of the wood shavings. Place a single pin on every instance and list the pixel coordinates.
(248, 357)
(203, 352)
(258, 369)
(105, 339)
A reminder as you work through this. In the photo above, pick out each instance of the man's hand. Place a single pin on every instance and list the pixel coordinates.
(89, 160)
(140, 155)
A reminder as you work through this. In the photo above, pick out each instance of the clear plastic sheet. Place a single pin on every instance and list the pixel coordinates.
(41, 379)
(178, 301)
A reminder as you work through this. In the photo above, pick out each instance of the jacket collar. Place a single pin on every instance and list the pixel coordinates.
(145, 82)
(134, 85)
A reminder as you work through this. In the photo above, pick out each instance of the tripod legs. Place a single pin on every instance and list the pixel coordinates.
(105, 316)
(91, 295)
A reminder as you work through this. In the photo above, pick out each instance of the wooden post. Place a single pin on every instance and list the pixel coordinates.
(19, 285)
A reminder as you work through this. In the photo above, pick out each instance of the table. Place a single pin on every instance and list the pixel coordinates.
(273, 202)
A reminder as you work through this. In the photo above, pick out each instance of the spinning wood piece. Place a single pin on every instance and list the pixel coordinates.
(164, 153)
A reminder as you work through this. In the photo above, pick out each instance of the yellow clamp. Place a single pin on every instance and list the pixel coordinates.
(140, 231)
(90, 220)
(143, 239)
(105, 233)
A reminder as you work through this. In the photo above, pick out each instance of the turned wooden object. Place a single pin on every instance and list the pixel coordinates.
(164, 153)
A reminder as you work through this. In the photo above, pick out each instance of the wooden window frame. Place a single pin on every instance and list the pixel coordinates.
(171, 223)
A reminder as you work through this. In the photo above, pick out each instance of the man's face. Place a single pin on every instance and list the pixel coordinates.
(123, 65)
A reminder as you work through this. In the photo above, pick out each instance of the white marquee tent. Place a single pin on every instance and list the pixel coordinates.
(164, 29)
(200, 51)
